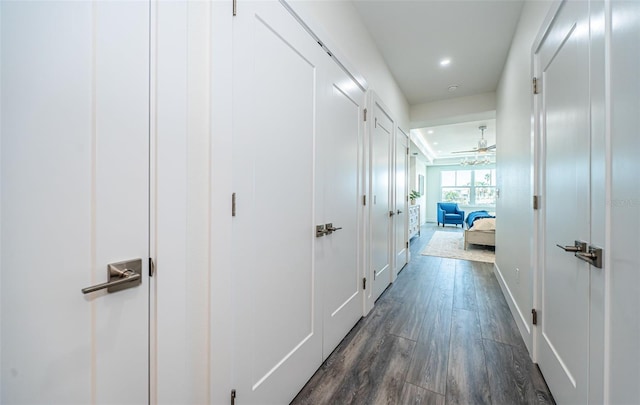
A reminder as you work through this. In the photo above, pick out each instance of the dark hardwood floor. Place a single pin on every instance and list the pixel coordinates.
(441, 334)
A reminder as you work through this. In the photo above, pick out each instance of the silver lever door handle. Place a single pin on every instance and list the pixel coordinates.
(391, 213)
(578, 246)
(399, 212)
(122, 275)
(331, 228)
(569, 248)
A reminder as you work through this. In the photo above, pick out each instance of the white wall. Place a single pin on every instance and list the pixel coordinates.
(514, 219)
(418, 167)
(454, 110)
(433, 191)
(338, 24)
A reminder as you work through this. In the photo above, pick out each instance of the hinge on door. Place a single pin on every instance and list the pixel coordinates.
(152, 268)
(233, 397)
(536, 202)
(365, 114)
(364, 200)
(235, 7)
(233, 204)
(376, 123)
(407, 243)
(407, 151)
(364, 283)
(534, 317)
(535, 85)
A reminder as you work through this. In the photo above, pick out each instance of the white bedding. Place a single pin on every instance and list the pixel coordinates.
(484, 224)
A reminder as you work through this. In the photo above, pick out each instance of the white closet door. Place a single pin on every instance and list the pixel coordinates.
(381, 138)
(563, 333)
(339, 161)
(75, 185)
(277, 298)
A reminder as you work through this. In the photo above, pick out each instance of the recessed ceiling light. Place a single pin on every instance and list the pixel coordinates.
(453, 87)
(430, 131)
(435, 143)
(445, 62)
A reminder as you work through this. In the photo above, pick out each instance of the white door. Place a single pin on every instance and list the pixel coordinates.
(338, 160)
(75, 186)
(563, 61)
(401, 226)
(276, 289)
(380, 212)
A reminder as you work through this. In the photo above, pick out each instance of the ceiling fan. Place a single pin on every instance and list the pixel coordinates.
(482, 144)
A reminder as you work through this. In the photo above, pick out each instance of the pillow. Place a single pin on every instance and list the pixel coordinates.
(484, 224)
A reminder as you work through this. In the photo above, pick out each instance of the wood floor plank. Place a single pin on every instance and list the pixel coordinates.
(388, 371)
(510, 376)
(359, 348)
(417, 281)
(428, 367)
(382, 382)
(531, 373)
(465, 290)
(408, 322)
(413, 395)
(467, 381)
(496, 320)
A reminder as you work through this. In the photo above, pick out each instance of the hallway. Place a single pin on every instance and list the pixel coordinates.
(441, 334)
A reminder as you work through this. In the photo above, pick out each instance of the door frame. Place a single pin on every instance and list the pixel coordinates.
(538, 158)
(399, 132)
(373, 100)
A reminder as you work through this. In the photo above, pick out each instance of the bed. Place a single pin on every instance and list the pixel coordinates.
(480, 229)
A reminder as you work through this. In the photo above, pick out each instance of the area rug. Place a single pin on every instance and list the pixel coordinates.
(451, 245)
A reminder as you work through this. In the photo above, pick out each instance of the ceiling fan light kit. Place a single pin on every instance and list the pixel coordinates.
(482, 148)
(475, 161)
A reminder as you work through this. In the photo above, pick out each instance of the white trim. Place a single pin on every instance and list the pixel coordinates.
(608, 195)
(221, 327)
(320, 36)
(153, 201)
(521, 319)
(544, 28)
(1, 187)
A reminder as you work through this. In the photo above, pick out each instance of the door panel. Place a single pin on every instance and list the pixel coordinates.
(381, 141)
(75, 146)
(277, 305)
(338, 162)
(401, 230)
(563, 340)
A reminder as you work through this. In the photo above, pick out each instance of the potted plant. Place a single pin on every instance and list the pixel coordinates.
(413, 196)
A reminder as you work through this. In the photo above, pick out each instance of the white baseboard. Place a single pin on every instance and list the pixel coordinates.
(521, 320)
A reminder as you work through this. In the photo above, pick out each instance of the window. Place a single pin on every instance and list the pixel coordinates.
(469, 187)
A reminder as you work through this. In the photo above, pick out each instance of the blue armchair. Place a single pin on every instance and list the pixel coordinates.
(449, 213)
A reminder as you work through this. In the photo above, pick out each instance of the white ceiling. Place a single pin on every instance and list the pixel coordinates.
(441, 141)
(413, 36)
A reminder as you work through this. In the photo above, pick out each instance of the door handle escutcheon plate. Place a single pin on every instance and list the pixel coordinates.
(121, 275)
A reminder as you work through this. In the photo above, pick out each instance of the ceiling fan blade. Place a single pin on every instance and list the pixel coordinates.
(466, 151)
(492, 147)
